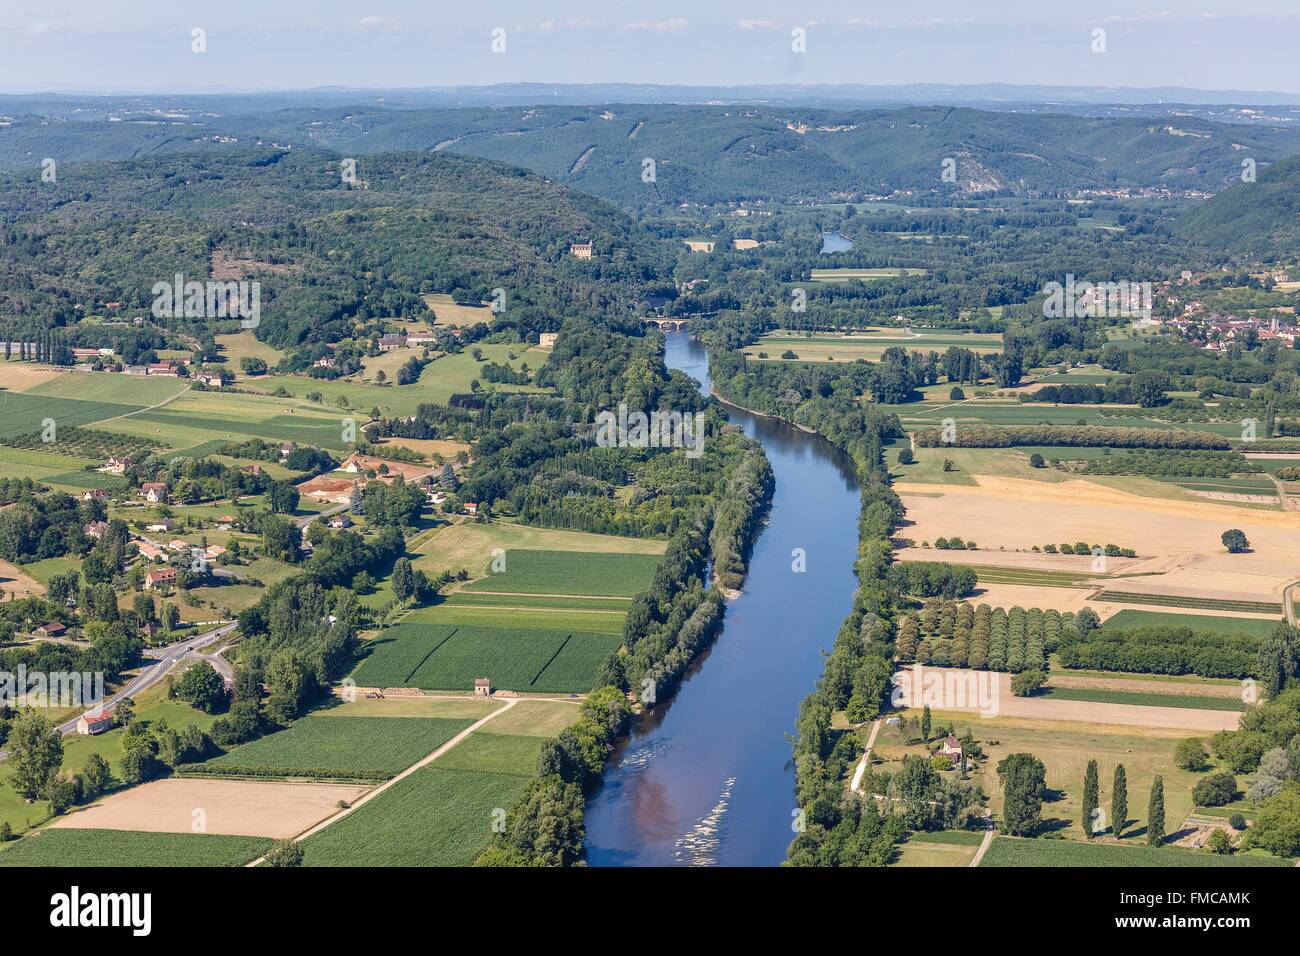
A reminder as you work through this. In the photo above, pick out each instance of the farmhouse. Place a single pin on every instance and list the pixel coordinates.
(471, 507)
(951, 748)
(286, 449)
(355, 464)
(149, 551)
(391, 340)
(96, 529)
(580, 250)
(211, 379)
(325, 361)
(340, 521)
(53, 629)
(116, 465)
(547, 340)
(95, 494)
(163, 368)
(155, 491)
(90, 724)
(160, 577)
(159, 524)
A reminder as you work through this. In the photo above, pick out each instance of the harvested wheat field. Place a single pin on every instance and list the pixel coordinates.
(1179, 539)
(20, 376)
(989, 694)
(14, 580)
(429, 447)
(231, 807)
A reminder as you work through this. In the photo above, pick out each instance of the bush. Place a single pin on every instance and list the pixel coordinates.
(957, 395)
(1215, 790)
(1237, 821)
(1219, 842)
(905, 457)
(1027, 682)
(1036, 461)
(1190, 754)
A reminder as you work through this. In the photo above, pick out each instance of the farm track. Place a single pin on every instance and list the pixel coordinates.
(422, 762)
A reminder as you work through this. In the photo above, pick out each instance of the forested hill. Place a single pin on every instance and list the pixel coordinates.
(1261, 219)
(324, 250)
(709, 154)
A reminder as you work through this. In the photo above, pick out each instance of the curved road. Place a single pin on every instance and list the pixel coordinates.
(164, 660)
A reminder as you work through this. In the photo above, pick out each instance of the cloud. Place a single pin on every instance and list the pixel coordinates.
(758, 25)
(659, 26)
(1141, 18)
(384, 24)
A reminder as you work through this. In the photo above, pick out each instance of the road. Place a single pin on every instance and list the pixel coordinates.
(165, 659)
(856, 785)
(1288, 601)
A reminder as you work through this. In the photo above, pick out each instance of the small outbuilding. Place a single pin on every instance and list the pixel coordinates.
(482, 687)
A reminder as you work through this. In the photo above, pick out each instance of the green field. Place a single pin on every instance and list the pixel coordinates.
(1013, 851)
(1034, 577)
(519, 659)
(511, 611)
(571, 572)
(1189, 701)
(435, 817)
(1204, 604)
(345, 748)
(1244, 626)
(848, 274)
(91, 848)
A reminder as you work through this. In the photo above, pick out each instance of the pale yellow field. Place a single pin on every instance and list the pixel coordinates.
(15, 581)
(413, 706)
(470, 545)
(989, 694)
(429, 446)
(1179, 539)
(20, 376)
(448, 312)
(232, 807)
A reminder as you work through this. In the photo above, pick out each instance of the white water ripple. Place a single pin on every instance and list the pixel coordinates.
(698, 847)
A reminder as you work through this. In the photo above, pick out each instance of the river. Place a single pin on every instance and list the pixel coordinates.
(706, 778)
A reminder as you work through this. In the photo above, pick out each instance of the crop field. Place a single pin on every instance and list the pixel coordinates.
(470, 546)
(23, 412)
(448, 312)
(848, 274)
(520, 660)
(939, 848)
(1033, 577)
(397, 653)
(1204, 604)
(1014, 851)
(518, 610)
(489, 752)
(89, 848)
(414, 654)
(355, 748)
(537, 601)
(434, 817)
(570, 572)
(826, 347)
(1105, 696)
(1244, 626)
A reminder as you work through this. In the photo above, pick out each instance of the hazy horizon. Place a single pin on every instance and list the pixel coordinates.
(149, 46)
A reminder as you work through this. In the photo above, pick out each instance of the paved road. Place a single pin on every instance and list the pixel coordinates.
(165, 658)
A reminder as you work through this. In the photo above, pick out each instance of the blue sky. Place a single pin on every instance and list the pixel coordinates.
(276, 44)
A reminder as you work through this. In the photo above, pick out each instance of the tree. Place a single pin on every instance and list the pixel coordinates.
(1235, 541)
(905, 457)
(1190, 754)
(1023, 778)
(1215, 790)
(203, 687)
(286, 852)
(1086, 621)
(96, 775)
(956, 394)
(1277, 827)
(925, 723)
(1156, 813)
(1026, 682)
(1091, 800)
(1219, 841)
(1119, 801)
(35, 753)
(282, 497)
(61, 792)
(403, 579)
(124, 711)
(1036, 461)
(1148, 387)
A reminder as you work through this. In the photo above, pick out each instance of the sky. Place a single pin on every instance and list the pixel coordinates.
(149, 45)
